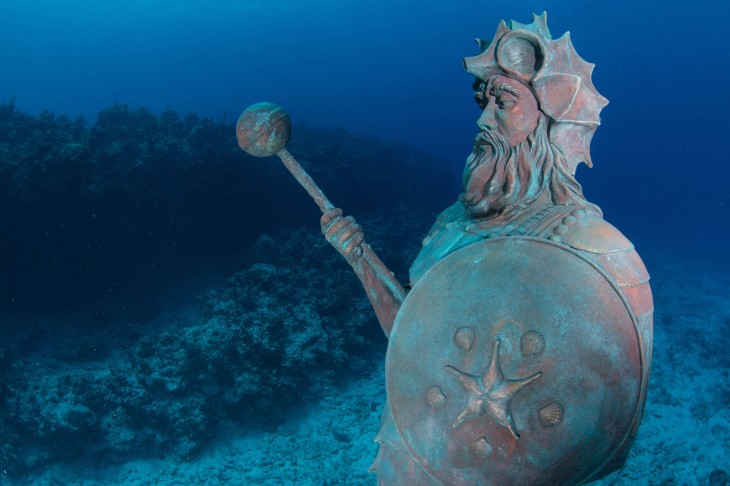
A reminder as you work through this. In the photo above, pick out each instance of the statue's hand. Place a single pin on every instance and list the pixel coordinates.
(343, 233)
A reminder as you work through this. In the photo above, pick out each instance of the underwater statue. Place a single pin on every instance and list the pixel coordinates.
(520, 351)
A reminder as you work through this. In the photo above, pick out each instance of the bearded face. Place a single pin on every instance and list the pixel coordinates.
(499, 172)
(513, 162)
(498, 176)
(490, 176)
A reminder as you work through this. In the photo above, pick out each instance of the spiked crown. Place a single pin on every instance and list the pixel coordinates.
(557, 75)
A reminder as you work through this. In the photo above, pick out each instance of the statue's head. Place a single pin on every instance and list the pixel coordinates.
(508, 108)
(539, 113)
(556, 77)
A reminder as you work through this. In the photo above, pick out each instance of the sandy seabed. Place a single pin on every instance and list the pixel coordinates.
(684, 438)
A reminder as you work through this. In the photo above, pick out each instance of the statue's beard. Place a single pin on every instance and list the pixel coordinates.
(498, 176)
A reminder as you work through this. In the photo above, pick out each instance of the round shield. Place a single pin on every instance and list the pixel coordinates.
(514, 361)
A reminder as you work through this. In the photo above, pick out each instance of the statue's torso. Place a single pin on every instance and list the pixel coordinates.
(582, 232)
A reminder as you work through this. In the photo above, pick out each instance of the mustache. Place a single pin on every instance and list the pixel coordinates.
(483, 137)
(490, 177)
(490, 137)
(489, 146)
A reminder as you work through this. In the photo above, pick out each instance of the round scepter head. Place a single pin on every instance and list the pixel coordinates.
(263, 129)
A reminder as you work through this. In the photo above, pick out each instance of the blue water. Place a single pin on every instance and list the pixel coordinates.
(392, 69)
(387, 69)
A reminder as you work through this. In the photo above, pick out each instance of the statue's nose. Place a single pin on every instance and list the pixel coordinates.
(486, 120)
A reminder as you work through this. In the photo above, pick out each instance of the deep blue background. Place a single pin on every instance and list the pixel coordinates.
(392, 68)
(388, 68)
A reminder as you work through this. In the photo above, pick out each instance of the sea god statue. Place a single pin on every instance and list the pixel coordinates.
(520, 351)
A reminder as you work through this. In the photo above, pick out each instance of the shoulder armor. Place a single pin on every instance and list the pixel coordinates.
(592, 233)
(602, 243)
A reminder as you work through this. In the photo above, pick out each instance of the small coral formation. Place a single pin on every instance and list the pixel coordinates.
(719, 477)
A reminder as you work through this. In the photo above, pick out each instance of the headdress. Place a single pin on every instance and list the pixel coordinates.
(557, 75)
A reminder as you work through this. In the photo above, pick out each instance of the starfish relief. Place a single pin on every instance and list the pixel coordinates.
(491, 394)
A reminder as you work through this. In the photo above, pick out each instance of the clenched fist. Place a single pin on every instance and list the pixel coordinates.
(343, 233)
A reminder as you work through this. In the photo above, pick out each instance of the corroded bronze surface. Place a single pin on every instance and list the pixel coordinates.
(523, 351)
(263, 129)
(548, 387)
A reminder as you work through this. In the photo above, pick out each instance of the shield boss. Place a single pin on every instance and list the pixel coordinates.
(513, 361)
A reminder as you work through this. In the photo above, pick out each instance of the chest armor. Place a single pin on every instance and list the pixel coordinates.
(521, 355)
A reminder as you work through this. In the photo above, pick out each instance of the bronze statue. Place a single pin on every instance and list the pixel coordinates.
(520, 351)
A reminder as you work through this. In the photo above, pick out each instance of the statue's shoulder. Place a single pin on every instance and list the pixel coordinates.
(447, 235)
(591, 237)
(599, 241)
(586, 230)
(449, 217)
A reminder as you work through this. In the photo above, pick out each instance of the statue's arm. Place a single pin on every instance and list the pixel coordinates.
(384, 291)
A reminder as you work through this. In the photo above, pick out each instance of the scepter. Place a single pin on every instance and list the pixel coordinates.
(263, 130)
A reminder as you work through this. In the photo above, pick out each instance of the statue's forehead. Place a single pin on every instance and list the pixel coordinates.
(499, 80)
(499, 83)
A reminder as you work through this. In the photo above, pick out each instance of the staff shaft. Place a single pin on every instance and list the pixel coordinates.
(325, 205)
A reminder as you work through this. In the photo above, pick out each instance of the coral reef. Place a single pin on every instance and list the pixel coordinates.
(121, 210)
(271, 338)
(134, 207)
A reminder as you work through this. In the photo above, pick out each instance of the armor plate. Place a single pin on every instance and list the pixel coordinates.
(514, 361)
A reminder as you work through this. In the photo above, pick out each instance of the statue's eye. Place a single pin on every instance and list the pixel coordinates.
(505, 102)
